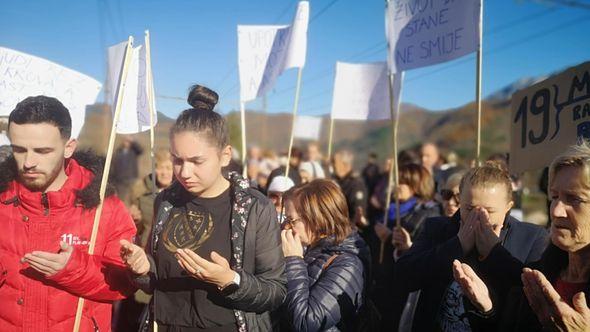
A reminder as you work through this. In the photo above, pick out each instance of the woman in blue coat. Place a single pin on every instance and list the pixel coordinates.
(325, 282)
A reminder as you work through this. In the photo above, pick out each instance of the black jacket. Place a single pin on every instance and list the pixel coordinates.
(427, 266)
(256, 253)
(505, 271)
(125, 166)
(355, 192)
(327, 298)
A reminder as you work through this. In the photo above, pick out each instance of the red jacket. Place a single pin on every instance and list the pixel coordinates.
(32, 221)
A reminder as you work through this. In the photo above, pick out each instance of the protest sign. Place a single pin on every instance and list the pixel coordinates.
(23, 75)
(265, 51)
(307, 127)
(135, 108)
(361, 91)
(426, 32)
(549, 116)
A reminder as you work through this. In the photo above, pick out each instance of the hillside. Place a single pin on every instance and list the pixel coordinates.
(451, 129)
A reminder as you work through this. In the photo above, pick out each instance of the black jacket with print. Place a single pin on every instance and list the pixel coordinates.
(256, 253)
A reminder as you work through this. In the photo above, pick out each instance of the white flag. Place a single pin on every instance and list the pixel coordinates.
(307, 127)
(265, 51)
(135, 111)
(424, 33)
(361, 91)
(23, 75)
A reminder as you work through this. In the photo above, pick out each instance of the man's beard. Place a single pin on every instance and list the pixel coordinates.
(42, 182)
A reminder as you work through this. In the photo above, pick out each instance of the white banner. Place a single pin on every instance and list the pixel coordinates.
(307, 127)
(426, 32)
(135, 112)
(23, 75)
(361, 91)
(265, 51)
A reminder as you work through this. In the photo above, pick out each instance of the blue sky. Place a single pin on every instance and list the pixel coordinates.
(195, 42)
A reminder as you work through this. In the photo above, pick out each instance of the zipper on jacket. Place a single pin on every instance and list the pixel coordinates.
(45, 203)
(96, 329)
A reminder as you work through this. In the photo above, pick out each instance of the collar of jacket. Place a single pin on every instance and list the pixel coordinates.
(82, 187)
(352, 244)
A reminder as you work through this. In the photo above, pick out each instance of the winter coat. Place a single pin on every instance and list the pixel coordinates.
(324, 295)
(35, 221)
(256, 253)
(504, 270)
(427, 266)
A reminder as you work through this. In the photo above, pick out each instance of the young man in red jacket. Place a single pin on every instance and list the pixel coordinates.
(48, 198)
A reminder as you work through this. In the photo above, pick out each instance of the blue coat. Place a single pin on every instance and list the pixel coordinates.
(327, 299)
(427, 266)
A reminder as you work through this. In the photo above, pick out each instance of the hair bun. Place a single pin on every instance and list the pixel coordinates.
(202, 98)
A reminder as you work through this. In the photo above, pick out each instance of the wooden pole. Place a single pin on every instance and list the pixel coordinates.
(243, 126)
(107, 166)
(150, 95)
(478, 84)
(330, 138)
(393, 179)
(395, 142)
(295, 104)
(265, 123)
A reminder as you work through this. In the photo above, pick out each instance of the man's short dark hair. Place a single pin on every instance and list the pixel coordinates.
(43, 109)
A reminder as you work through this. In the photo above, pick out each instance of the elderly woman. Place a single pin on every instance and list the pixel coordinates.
(326, 282)
(557, 287)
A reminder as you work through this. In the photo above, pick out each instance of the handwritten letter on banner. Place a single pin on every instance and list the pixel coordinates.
(265, 51)
(135, 111)
(361, 91)
(23, 75)
(426, 32)
(549, 116)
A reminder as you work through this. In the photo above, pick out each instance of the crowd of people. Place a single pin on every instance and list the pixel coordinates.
(197, 247)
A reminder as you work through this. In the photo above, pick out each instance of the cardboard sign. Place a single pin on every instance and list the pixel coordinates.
(264, 52)
(361, 91)
(426, 32)
(548, 117)
(23, 75)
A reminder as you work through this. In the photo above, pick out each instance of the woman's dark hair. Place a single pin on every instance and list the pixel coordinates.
(201, 118)
(43, 109)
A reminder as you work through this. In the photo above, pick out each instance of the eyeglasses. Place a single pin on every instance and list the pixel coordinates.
(292, 221)
(447, 195)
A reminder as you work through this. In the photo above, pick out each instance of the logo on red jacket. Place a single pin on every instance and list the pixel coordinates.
(74, 240)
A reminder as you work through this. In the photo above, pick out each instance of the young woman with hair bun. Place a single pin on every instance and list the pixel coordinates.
(214, 260)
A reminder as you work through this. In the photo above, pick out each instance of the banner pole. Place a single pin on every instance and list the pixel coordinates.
(478, 80)
(150, 95)
(243, 126)
(395, 143)
(295, 104)
(107, 167)
(330, 138)
(393, 179)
